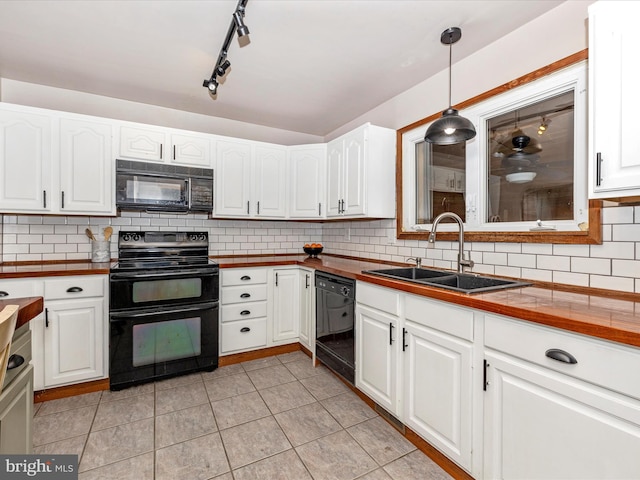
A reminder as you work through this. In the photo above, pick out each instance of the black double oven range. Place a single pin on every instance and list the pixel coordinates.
(163, 307)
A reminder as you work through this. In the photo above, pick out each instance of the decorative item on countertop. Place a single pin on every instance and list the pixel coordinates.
(101, 249)
(313, 249)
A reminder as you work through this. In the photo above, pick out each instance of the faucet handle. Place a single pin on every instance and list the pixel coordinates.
(418, 261)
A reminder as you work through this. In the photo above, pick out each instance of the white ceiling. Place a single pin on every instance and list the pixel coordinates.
(311, 65)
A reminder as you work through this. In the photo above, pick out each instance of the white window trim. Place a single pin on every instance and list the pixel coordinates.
(570, 78)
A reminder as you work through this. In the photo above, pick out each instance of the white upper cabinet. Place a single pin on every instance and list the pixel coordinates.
(159, 144)
(55, 163)
(614, 99)
(250, 179)
(307, 193)
(86, 167)
(361, 173)
(25, 161)
(269, 180)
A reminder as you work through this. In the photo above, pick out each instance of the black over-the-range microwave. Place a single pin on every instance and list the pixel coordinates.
(163, 188)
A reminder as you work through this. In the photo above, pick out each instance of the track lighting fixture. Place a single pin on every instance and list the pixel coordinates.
(544, 124)
(222, 64)
(451, 128)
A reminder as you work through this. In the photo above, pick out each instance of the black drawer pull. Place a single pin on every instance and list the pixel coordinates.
(245, 329)
(561, 356)
(15, 361)
(245, 295)
(4, 294)
(74, 290)
(245, 312)
(245, 277)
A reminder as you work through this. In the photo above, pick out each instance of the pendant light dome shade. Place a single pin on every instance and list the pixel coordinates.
(451, 128)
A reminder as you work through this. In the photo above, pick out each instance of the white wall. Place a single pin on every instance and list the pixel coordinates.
(22, 93)
(557, 34)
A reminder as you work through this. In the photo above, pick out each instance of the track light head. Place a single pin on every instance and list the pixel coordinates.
(240, 26)
(211, 84)
(222, 68)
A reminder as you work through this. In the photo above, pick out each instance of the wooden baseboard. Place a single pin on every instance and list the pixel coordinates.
(256, 354)
(70, 390)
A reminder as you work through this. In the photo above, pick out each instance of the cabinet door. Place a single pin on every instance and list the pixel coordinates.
(307, 167)
(86, 167)
(270, 182)
(307, 327)
(16, 415)
(377, 341)
(614, 99)
(542, 424)
(73, 343)
(233, 179)
(335, 156)
(142, 143)
(354, 172)
(286, 304)
(25, 162)
(438, 390)
(191, 150)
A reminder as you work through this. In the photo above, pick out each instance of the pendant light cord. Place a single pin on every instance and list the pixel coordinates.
(450, 45)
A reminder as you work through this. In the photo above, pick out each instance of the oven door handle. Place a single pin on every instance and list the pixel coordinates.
(121, 315)
(181, 273)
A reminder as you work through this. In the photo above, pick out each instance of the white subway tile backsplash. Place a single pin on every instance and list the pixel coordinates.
(537, 275)
(625, 233)
(614, 250)
(625, 268)
(508, 271)
(553, 262)
(521, 260)
(611, 283)
(495, 258)
(580, 279)
(613, 265)
(571, 250)
(537, 248)
(597, 266)
(617, 215)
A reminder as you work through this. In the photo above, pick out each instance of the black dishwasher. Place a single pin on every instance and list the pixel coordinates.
(335, 315)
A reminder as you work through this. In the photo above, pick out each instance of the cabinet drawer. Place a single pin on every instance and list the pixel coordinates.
(243, 276)
(20, 288)
(439, 316)
(65, 288)
(243, 335)
(380, 298)
(249, 293)
(241, 311)
(607, 364)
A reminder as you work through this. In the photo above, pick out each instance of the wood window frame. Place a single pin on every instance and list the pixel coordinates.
(592, 235)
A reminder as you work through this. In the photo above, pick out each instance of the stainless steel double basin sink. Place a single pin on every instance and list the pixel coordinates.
(459, 282)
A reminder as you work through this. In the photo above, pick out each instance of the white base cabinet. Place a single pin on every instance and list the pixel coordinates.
(415, 359)
(308, 309)
(546, 417)
(285, 304)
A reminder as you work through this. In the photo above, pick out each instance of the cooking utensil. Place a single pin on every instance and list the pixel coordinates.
(89, 234)
(108, 231)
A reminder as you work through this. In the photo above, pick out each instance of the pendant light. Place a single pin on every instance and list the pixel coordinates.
(451, 128)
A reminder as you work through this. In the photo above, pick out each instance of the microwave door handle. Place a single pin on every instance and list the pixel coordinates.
(189, 195)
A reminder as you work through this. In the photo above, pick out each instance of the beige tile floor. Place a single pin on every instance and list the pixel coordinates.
(272, 418)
